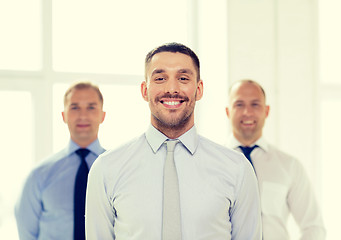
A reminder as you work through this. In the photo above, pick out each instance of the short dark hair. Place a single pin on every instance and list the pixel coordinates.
(83, 85)
(174, 48)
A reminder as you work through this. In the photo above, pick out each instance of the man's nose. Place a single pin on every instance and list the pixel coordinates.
(172, 85)
(248, 110)
(83, 113)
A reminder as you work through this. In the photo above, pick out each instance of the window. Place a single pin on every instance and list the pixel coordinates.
(330, 111)
(330, 38)
(16, 141)
(331, 165)
(20, 44)
(113, 36)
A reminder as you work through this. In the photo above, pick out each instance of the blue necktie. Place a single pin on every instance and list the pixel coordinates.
(247, 152)
(79, 195)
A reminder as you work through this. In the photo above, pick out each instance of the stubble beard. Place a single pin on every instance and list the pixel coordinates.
(249, 135)
(166, 124)
(174, 124)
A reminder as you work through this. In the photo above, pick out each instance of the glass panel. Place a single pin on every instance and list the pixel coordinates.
(16, 140)
(127, 115)
(330, 38)
(20, 42)
(60, 129)
(112, 36)
(331, 165)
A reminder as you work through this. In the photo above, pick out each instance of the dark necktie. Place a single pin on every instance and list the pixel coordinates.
(247, 152)
(79, 195)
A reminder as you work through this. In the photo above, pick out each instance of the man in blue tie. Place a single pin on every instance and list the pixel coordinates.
(283, 184)
(170, 183)
(52, 203)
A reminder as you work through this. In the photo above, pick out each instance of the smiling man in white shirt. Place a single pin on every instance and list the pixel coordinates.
(218, 192)
(283, 184)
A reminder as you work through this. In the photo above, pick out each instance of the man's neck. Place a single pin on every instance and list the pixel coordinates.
(247, 142)
(84, 144)
(173, 133)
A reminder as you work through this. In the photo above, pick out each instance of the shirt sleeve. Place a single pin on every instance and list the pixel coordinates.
(245, 213)
(99, 213)
(28, 209)
(304, 207)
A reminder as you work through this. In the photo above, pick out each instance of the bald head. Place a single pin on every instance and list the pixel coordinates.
(247, 111)
(237, 84)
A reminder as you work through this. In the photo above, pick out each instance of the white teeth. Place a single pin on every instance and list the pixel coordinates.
(247, 122)
(171, 103)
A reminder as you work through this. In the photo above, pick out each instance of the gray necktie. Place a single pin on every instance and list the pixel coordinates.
(171, 224)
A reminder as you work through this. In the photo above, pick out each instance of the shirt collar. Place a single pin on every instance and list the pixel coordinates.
(155, 139)
(261, 142)
(94, 147)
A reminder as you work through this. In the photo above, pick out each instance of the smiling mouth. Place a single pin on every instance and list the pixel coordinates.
(248, 122)
(172, 102)
(83, 125)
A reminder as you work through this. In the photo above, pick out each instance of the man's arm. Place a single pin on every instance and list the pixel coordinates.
(99, 213)
(303, 206)
(28, 209)
(246, 212)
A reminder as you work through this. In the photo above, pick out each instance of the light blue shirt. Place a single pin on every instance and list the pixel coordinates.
(218, 191)
(45, 208)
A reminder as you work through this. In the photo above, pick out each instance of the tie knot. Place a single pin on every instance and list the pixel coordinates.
(247, 150)
(82, 153)
(171, 144)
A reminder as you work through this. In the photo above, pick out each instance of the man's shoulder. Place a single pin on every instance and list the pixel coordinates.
(214, 147)
(127, 147)
(285, 159)
(281, 154)
(47, 166)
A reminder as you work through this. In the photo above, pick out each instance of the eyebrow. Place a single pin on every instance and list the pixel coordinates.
(183, 70)
(91, 104)
(186, 70)
(157, 71)
(242, 101)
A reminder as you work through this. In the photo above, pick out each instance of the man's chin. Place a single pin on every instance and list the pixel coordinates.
(83, 136)
(248, 134)
(172, 124)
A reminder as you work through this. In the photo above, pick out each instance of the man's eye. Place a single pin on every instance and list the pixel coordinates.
(159, 79)
(184, 79)
(74, 108)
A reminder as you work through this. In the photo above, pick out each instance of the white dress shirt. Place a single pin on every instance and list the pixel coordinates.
(284, 188)
(218, 191)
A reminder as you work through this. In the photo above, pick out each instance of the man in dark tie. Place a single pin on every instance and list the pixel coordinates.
(52, 203)
(283, 184)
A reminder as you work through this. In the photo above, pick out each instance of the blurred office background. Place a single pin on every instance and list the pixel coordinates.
(292, 47)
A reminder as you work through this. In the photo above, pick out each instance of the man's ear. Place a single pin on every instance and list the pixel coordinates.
(64, 118)
(144, 92)
(227, 112)
(103, 116)
(267, 110)
(200, 90)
